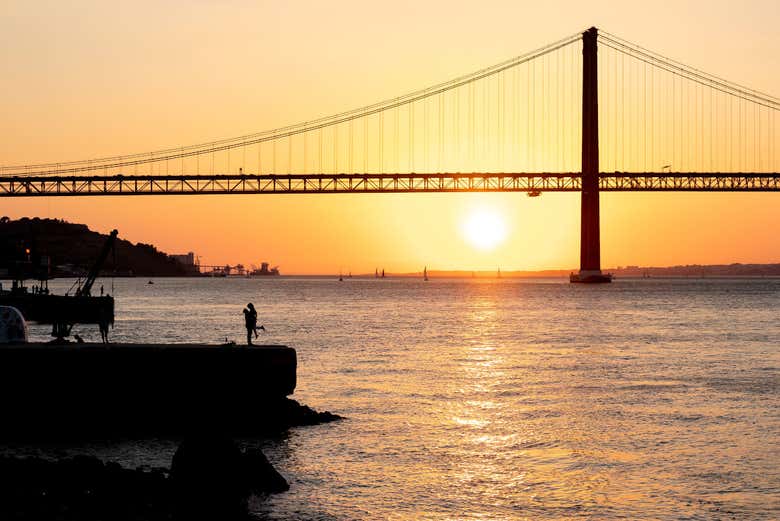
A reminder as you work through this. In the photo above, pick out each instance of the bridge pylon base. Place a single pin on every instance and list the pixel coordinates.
(590, 277)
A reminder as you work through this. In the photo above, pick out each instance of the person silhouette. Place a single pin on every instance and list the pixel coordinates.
(103, 326)
(250, 321)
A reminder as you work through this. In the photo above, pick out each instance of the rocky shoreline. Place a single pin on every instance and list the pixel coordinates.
(210, 477)
(207, 479)
(290, 413)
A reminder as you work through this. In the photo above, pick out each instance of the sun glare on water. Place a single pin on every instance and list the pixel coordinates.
(485, 229)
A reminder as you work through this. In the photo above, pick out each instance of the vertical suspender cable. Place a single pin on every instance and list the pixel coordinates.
(559, 108)
(426, 163)
(305, 152)
(730, 101)
(350, 158)
(485, 127)
(572, 98)
(549, 95)
(515, 134)
(382, 142)
(365, 144)
(335, 149)
(623, 112)
(652, 118)
(711, 133)
(681, 139)
(670, 112)
(685, 125)
(441, 130)
(500, 120)
(396, 144)
(528, 164)
(456, 130)
(683, 104)
(472, 131)
(411, 137)
(696, 132)
(633, 85)
(739, 140)
(700, 132)
(644, 116)
(757, 138)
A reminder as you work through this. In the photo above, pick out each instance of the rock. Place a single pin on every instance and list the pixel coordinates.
(297, 414)
(80, 488)
(260, 475)
(209, 479)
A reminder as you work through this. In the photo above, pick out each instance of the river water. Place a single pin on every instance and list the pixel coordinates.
(499, 399)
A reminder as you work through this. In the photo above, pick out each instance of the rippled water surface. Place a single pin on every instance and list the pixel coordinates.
(502, 399)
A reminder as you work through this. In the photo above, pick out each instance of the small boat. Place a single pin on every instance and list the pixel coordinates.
(150, 282)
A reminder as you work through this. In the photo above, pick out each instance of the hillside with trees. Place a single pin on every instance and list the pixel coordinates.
(73, 248)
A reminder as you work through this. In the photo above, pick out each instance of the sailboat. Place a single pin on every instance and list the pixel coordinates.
(376, 273)
(341, 279)
(499, 273)
(383, 273)
(425, 274)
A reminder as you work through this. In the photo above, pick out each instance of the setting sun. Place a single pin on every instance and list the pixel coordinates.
(484, 229)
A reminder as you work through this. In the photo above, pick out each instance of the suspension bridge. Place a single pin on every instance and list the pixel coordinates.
(588, 113)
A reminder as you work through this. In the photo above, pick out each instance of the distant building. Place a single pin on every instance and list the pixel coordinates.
(189, 261)
(186, 259)
(264, 271)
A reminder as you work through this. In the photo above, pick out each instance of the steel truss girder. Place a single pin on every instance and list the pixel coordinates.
(380, 183)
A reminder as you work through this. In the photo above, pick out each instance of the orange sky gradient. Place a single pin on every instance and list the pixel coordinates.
(91, 79)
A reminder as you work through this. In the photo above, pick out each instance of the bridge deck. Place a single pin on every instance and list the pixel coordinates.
(381, 183)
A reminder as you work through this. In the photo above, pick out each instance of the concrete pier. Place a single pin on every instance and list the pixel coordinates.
(51, 389)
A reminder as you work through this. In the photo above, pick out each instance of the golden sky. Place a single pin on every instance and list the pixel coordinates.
(90, 79)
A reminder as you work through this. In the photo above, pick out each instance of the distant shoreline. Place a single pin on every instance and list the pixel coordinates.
(693, 271)
(56, 240)
(435, 275)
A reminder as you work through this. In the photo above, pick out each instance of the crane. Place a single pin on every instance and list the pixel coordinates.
(94, 271)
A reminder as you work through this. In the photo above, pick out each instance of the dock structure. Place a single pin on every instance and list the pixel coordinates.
(142, 388)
